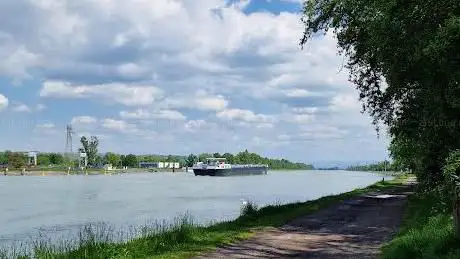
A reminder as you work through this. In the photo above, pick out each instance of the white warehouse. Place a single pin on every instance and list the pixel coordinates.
(160, 165)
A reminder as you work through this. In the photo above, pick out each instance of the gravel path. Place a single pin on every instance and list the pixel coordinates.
(356, 228)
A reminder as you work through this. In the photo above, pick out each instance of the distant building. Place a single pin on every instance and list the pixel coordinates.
(175, 165)
(108, 167)
(159, 165)
(148, 165)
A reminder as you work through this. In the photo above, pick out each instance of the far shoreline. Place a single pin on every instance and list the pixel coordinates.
(93, 172)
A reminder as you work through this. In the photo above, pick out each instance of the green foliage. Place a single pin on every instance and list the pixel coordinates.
(248, 209)
(43, 159)
(56, 159)
(403, 58)
(191, 160)
(112, 158)
(130, 161)
(230, 157)
(381, 166)
(427, 231)
(452, 170)
(246, 157)
(449, 191)
(4, 158)
(90, 148)
(159, 158)
(98, 160)
(16, 160)
(202, 157)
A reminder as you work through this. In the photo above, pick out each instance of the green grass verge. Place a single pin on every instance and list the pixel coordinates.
(427, 231)
(183, 238)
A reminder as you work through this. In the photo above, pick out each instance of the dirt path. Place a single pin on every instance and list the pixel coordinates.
(353, 229)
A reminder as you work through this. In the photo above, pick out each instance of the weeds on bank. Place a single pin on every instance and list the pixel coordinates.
(182, 238)
(427, 231)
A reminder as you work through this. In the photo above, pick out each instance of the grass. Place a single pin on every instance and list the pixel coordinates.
(182, 238)
(427, 231)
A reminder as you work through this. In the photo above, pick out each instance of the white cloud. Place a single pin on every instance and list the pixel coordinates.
(345, 102)
(144, 114)
(3, 102)
(315, 132)
(15, 58)
(46, 126)
(194, 125)
(119, 126)
(129, 95)
(199, 100)
(183, 61)
(295, 92)
(305, 109)
(40, 107)
(297, 118)
(21, 108)
(83, 120)
(244, 115)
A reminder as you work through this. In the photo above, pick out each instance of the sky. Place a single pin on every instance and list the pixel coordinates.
(177, 77)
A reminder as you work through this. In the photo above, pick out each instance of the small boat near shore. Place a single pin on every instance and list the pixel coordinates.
(219, 167)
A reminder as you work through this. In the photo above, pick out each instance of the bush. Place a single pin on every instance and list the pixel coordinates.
(249, 208)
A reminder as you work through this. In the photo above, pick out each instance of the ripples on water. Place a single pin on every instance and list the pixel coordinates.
(59, 207)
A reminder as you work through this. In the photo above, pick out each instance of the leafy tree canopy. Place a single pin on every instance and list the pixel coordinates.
(403, 59)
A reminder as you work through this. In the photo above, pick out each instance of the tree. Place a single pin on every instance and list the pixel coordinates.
(122, 160)
(16, 160)
(112, 158)
(3, 158)
(43, 159)
(229, 157)
(130, 161)
(202, 157)
(191, 160)
(407, 73)
(90, 148)
(56, 159)
(412, 46)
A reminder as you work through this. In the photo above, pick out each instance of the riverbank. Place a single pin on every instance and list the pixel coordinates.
(62, 172)
(427, 231)
(185, 239)
(45, 172)
(352, 228)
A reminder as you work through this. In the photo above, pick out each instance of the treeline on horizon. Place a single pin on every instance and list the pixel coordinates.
(16, 160)
(377, 167)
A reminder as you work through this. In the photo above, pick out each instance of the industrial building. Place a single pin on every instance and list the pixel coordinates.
(159, 165)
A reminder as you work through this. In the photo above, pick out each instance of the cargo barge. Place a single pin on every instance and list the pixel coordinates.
(218, 167)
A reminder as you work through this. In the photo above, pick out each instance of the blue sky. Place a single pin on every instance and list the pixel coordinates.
(171, 76)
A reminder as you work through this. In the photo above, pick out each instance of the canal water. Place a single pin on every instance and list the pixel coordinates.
(51, 205)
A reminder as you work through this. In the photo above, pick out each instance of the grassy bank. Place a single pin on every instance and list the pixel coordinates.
(183, 238)
(427, 231)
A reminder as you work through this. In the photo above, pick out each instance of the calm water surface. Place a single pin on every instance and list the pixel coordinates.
(31, 205)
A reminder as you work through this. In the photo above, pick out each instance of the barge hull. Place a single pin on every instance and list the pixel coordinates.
(231, 172)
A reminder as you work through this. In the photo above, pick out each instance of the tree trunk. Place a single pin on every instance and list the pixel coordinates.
(456, 215)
